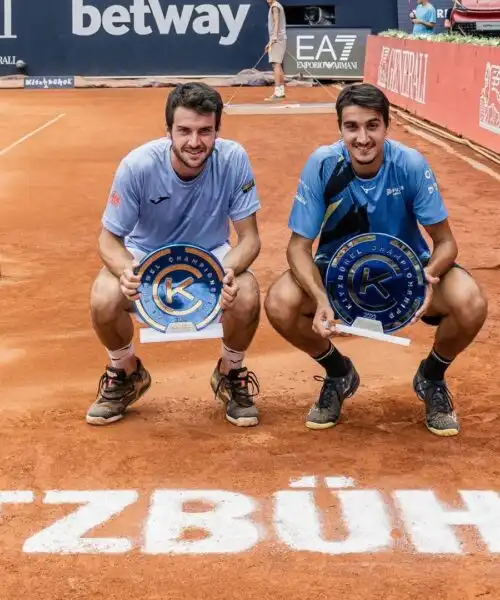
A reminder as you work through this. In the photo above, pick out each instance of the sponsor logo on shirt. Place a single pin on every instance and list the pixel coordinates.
(159, 199)
(300, 198)
(248, 186)
(395, 191)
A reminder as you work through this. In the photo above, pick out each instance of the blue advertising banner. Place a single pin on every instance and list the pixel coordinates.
(152, 37)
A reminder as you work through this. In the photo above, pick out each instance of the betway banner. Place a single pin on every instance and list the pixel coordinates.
(420, 76)
(326, 52)
(132, 37)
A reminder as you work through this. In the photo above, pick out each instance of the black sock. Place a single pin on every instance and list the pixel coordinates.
(333, 362)
(435, 366)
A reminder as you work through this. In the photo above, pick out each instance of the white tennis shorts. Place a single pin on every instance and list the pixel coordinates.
(219, 252)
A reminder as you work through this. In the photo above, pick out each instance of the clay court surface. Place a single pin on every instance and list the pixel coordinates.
(201, 509)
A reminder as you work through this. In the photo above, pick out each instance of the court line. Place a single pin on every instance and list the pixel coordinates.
(31, 134)
(442, 144)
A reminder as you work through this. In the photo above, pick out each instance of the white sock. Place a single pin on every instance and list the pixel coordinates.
(280, 90)
(233, 359)
(121, 357)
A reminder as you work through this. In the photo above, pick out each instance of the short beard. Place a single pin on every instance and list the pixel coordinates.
(178, 154)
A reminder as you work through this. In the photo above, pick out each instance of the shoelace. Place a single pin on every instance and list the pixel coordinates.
(332, 389)
(441, 398)
(118, 383)
(243, 389)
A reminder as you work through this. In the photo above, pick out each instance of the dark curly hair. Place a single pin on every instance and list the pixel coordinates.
(196, 96)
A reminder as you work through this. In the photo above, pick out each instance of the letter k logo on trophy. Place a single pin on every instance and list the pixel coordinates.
(376, 284)
(180, 294)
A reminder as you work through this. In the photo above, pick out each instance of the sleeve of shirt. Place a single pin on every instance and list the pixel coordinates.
(122, 209)
(308, 207)
(428, 204)
(431, 15)
(245, 201)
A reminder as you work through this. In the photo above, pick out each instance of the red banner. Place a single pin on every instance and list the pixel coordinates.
(456, 86)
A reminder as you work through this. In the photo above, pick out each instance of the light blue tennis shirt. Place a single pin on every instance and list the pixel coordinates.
(425, 13)
(403, 194)
(150, 206)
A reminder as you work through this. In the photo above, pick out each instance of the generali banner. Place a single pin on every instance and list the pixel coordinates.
(456, 86)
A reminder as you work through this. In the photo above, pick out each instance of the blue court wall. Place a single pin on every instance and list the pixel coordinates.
(152, 37)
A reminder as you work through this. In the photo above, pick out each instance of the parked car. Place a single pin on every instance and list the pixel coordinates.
(476, 17)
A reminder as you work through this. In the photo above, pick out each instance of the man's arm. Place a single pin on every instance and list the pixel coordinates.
(275, 14)
(306, 218)
(430, 211)
(113, 253)
(243, 207)
(429, 24)
(247, 247)
(118, 220)
(445, 248)
(426, 23)
(304, 270)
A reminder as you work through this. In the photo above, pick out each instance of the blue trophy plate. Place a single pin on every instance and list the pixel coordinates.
(180, 290)
(376, 276)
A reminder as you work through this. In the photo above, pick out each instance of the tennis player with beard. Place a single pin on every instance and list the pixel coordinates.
(186, 187)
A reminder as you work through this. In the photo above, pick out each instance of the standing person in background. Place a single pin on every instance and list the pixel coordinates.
(424, 18)
(276, 47)
(447, 20)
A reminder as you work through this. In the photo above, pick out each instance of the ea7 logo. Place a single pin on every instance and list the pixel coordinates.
(324, 50)
(7, 21)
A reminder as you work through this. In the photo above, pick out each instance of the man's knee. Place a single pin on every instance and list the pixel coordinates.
(106, 298)
(247, 304)
(283, 301)
(472, 310)
(468, 303)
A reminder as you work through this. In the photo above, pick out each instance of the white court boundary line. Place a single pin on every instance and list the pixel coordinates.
(479, 166)
(31, 134)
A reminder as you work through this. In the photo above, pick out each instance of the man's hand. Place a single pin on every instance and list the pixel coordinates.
(229, 290)
(431, 281)
(129, 282)
(272, 41)
(324, 321)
